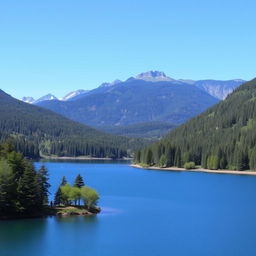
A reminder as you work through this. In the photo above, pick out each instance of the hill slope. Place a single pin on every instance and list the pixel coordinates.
(141, 130)
(222, 137)
(135, 101)
(36, 130)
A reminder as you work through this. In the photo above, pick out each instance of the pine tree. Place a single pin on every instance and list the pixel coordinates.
(63, 181)
(42, 177)
(162, 161)
(28, 192)
(149, 157)
(79, 181)
(7, 189)
(58, 197)
(177, 158)
(253, 160)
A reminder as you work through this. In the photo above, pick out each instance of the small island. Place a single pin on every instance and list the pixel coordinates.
(67, 200)
(24, 191)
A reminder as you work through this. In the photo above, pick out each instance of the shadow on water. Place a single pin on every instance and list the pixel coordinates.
(15, 234)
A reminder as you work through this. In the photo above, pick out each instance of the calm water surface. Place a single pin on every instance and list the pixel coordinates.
(144, 213)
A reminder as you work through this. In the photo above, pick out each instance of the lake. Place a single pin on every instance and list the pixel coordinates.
(144, 212)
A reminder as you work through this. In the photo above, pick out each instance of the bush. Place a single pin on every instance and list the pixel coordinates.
(189, 165)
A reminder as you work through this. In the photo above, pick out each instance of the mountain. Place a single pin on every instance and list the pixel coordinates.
(153, 76)
(72, 95)
(141, 130)
(148, 98)
(111, 84)
(224, 136)
(29, 100)
(36, 131)
(46, 97)
(217, 88)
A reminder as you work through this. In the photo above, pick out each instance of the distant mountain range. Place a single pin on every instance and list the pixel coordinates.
(50, 96)
(137, 100)
(143, 99)
(36, 131)
(217, 88)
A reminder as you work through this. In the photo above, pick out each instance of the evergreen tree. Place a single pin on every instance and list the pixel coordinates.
(29, 193)
(149, 157)
(63, 181)
(162, 161)
(177, 158)
(42, 177)
(58, 197)
(7, 189)
(253, 160)
(79, 181)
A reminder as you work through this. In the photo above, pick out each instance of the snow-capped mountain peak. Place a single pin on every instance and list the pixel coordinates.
(29, 100)
(73, 94)
(46, 97)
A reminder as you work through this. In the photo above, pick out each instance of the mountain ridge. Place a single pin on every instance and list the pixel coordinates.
(208, 85)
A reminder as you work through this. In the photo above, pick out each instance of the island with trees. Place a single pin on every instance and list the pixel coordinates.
(24, 190)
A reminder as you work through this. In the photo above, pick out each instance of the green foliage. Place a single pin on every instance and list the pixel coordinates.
(222, 137)
(23, 190)
(42, 177)
(253, 159)
(79, 182)
(89, 196)
(63, 181)
(58, 199)
(162, 161)
(74, 194)
(213, 163)
(151, 130)
(68, 195)
(7, 188)
(189, 165)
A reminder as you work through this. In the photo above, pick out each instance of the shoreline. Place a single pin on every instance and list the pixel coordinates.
(176, 169)
(82, 158)
(57, 211)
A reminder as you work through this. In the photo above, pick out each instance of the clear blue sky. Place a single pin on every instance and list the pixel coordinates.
(58, 46)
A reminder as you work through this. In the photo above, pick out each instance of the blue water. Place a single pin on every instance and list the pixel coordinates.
(144, 213)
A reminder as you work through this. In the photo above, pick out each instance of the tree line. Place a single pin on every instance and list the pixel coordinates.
(24, 190)
(223, 137)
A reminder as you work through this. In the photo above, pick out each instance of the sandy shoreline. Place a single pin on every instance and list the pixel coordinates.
(196, 170)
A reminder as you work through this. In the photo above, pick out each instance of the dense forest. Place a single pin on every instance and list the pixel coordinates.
(23, 190)
(150, 130)
(223, 137)
(36, 132)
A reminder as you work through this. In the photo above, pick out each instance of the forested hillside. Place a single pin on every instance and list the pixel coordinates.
(223, 137)
(150, 130)
(36, 131)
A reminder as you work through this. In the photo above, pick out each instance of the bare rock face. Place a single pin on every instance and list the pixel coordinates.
(153, 76)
